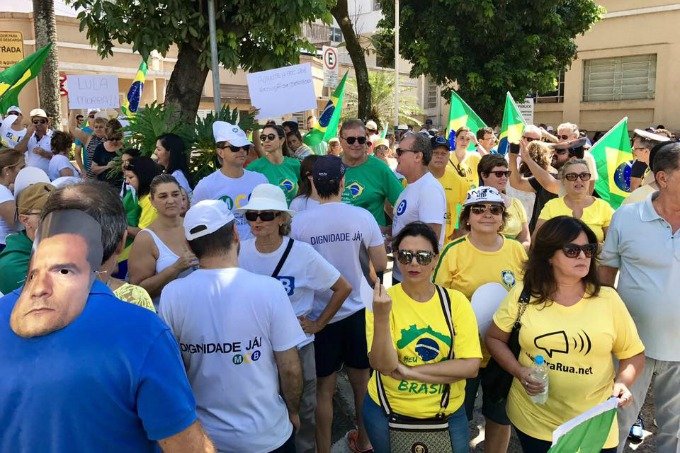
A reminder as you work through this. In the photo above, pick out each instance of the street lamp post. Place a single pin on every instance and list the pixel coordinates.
(396, 63)
(213, 56)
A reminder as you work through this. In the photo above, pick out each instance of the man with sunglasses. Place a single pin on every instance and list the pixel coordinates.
(231, 183)
(642, 246)
(11, 129)
(36, 143)
(369, 182)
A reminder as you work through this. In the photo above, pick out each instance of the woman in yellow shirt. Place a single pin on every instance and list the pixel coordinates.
(494, 172)
(410, 337)
(577, 202)
(483, 256)
(576, 326)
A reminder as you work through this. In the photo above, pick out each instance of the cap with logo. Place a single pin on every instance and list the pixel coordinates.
(206, 217)
(227, 132)
(266, 197)
(327, 169)
(483, 194)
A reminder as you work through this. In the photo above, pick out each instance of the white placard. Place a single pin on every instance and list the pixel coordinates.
(526, 108)
(93, 91)
(281, 91)
(330, 66)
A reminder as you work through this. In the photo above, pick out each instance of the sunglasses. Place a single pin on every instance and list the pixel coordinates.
(270, 137)
(585, 176)
(529, 139)
(265, 216)
(574, 250)
(90, 116)
(499, 173)
(235, 149)
(39, 121)
(563, 137)
(14, 113)
(351, 140)
(494, 209)
(423, 257)
(401, 151)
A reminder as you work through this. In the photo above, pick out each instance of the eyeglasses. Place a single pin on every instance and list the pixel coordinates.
(270, 137)
(574, 250)
(401, 151)
(114, 139)
(499, 173)
(14, 113)
(423, 257)
(563, 137)
(39, 121)
(235, 149)
(351, 140)
(494, 209)
(585, 176)
(529, 139)
(265, 216)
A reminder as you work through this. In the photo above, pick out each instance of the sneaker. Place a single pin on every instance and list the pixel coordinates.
(636, 431)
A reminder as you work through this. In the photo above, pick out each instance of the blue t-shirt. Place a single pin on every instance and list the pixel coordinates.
(112, 380)
(88, 130)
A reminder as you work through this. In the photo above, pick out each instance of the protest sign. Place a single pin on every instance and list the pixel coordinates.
(93, 91)
(283, 90)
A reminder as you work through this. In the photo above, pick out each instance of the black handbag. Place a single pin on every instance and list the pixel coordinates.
(496, 380)
(408, 434)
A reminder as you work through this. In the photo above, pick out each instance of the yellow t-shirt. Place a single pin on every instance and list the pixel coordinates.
(421, 336)
(465, 177)
(577, 343)
(454, 195)
(517, 217)
(148, 214)
(135, 295)
(597, 216)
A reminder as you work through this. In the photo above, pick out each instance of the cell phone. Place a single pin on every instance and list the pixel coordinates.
(514, 148)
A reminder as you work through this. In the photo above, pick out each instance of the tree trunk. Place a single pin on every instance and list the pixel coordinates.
(185, 86)
(356, 53)
(48, 80)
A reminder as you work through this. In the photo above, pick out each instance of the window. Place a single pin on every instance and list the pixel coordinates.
(430, 94)
(335, 34)
(554, 96)
(618, 79)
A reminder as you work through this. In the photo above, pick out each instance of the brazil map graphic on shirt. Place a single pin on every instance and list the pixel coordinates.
(426, 347)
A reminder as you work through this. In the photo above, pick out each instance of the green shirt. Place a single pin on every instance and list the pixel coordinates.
(368, 186)
(14, 261)
(285, 175)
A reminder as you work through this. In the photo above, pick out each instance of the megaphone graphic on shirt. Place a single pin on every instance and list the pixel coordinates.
(554, 342)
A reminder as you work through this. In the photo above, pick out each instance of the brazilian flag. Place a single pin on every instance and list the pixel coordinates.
(329, 120)
(613, 158)
(512, 126)
(131, 102)
(14, 78)
(587, 432)
(461, 114)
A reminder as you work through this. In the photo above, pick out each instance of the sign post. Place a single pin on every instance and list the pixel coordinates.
(330, 67)
(11, 48)
(526, 108)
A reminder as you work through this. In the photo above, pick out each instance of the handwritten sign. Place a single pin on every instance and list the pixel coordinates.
(93, 91)
(284, 90)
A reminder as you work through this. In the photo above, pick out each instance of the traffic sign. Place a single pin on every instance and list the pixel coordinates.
(330, 66)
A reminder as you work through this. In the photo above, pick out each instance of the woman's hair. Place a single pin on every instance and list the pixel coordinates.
(570, 163)
(541, 153)
(295, 133)
(178, 159)
(417, 229)
(146, 169)
(284, 228)
(61, 142)
(162, 178)
(487, 163)
(551, 237)
(114, 130)
(462, 129)
(132, 152)
(464, 219)
(304, 184)
(101, 121)
(10, 158)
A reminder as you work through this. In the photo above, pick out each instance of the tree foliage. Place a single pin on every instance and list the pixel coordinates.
(488, 46)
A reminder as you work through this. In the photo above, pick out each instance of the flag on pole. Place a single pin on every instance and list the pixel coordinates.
(613, 155)
(461, 114)
(383, 134)
(586, 433)
(327, 126)
(512, 126)
(131, 102)
(14, 78)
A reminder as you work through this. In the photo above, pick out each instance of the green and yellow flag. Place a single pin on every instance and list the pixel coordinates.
(461, 114)
(131, 102)
(613, 156)
(14, 78)
(329, 120)
(585, 433)
(512, 126)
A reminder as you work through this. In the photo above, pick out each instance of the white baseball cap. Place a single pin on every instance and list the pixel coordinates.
(651, 135)
(267, 197)
(14, 108)
(483, 194)
(40, 113)
(28, 176)
(227, 132)
(206, 217)
(370, 124)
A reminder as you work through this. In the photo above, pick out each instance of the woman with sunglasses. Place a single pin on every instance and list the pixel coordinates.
(409, 337)
(577, 201)
(160, 253)
(576, 325)
(302, 272)
(280, 170)
(105, 153)
(483, 256)
(493, 172)
(11, 162)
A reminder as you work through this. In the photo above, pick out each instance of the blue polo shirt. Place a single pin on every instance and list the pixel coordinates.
(112, 380)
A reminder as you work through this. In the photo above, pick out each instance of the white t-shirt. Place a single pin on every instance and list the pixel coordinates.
(303, 203)
(57, 164)
(8, 136)
(233, 191)
(338, 231)
(5, 195)
(304, 272)
(228, 323)
(183, 182)
(33, 159)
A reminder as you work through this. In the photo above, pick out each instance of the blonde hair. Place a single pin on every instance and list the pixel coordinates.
(571, 163)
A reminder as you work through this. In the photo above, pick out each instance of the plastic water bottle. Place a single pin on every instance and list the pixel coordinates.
(539, 372)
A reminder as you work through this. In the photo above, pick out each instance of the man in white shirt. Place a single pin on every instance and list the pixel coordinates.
(237, 334)
(36, 142)
(343, 234)
(231, 184)
(11, 129)
(423, 199)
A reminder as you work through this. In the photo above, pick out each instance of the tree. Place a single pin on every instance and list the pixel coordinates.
(252, 35)
(488, 47)
(48, 80)
(356, 54)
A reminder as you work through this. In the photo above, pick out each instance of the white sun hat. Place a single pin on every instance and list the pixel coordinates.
(267, 197)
